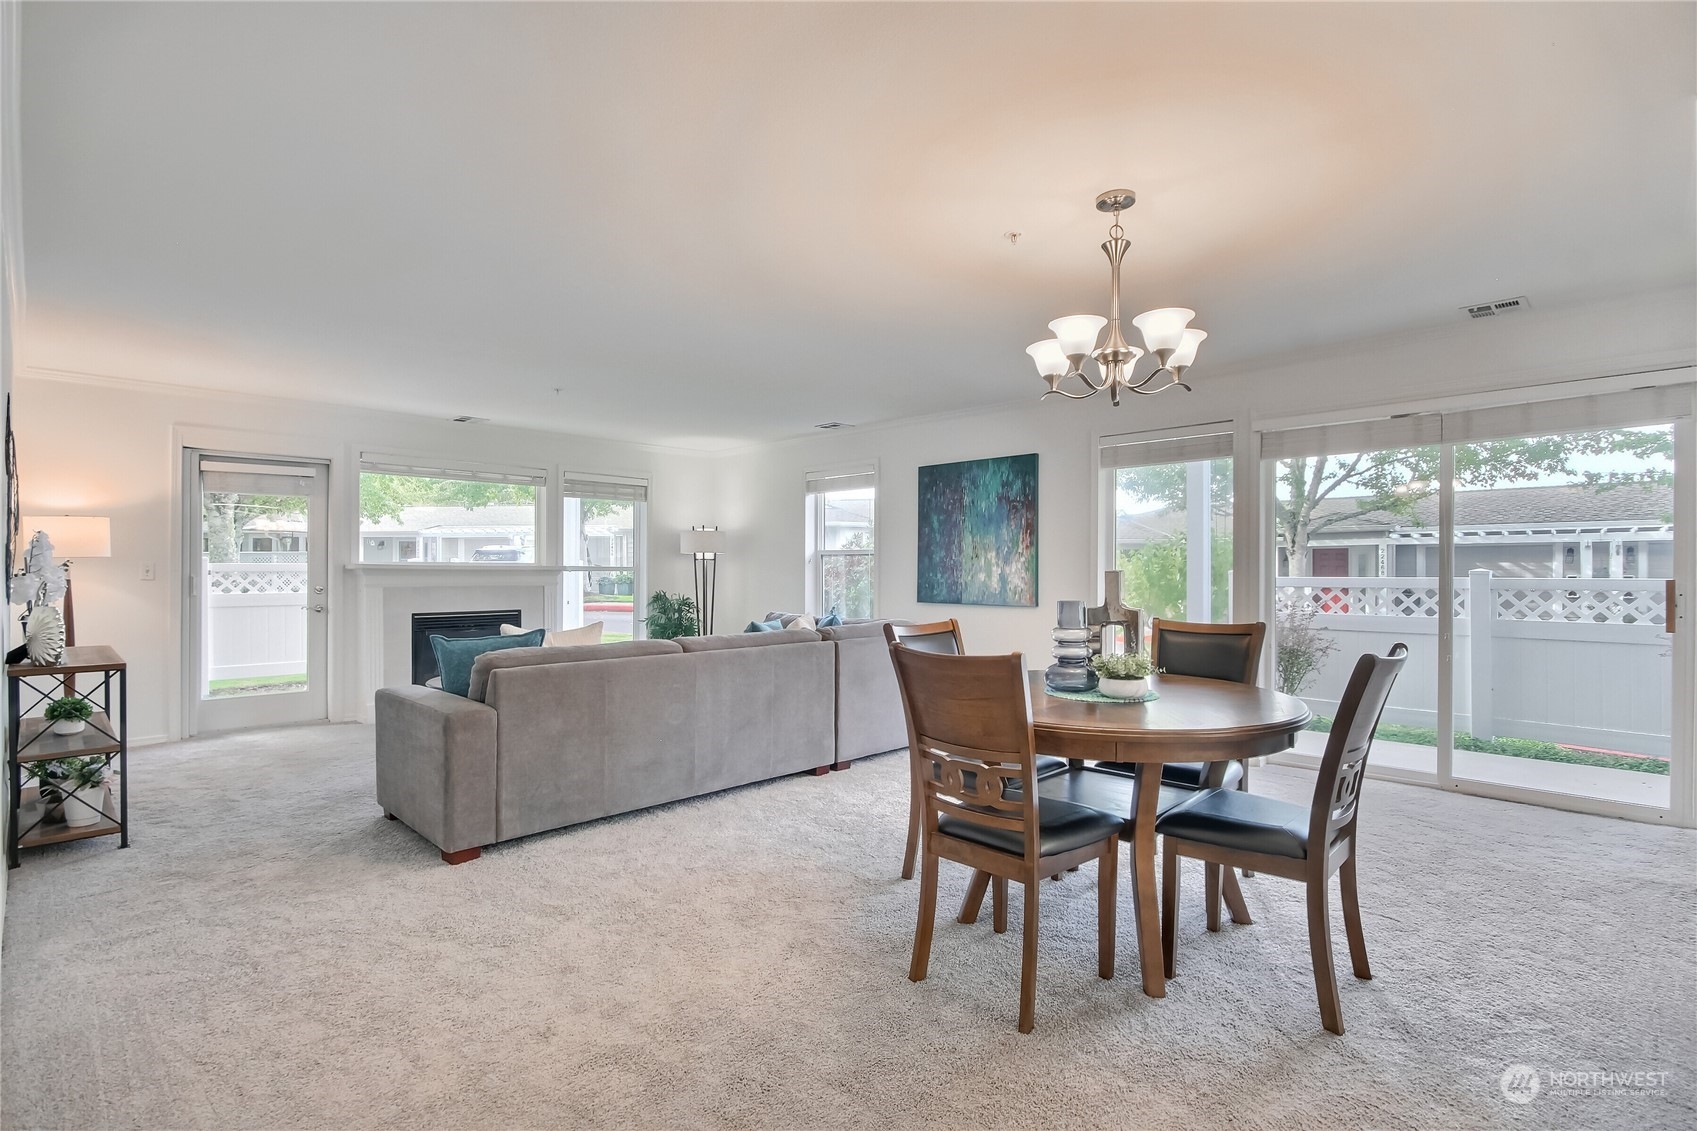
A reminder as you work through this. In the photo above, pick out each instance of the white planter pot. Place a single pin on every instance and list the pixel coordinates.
(69, 726)
(1123, 688)
(77, 813)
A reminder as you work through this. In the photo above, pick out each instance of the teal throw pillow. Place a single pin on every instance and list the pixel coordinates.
(764, 626)
(456, 655)
(830, 620)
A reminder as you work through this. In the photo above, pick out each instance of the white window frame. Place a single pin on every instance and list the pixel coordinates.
(815, 485)
(627, 488)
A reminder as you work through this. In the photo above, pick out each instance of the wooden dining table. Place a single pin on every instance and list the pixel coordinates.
(1190, 720)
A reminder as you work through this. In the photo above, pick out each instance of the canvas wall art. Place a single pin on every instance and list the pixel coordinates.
(978, 532)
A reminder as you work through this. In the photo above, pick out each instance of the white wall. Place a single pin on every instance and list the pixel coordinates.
(761, 488)
(108, 447)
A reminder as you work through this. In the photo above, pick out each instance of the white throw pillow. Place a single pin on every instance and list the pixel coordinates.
(565, 637)
(803, 622)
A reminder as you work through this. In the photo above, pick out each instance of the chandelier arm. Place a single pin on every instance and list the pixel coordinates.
(1095, 387)
(1069, 396)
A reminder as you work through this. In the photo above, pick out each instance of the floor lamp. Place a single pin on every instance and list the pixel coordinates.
(73, 536)
(704, 544)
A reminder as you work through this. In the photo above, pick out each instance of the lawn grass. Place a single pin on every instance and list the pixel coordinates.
(1512, 748)
(257, 683)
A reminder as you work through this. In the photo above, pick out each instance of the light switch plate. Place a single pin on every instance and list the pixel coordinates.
(147, 572)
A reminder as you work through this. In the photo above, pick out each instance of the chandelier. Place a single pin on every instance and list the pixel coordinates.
(1165, 333)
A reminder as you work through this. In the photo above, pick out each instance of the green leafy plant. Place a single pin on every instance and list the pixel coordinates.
(1125, 665)
(670, 615)
(48, 778)
(70, 707)
(82, 773)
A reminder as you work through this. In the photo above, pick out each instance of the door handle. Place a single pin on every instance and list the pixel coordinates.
(318, 608)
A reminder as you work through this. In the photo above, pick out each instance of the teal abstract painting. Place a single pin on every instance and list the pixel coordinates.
(978, 532)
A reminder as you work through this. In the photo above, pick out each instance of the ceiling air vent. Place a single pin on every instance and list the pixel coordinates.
(1492, 309)
(833, 424)
(469, 419)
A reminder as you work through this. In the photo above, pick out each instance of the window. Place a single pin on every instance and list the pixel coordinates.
(603, 523)
(429, 515)
(1171, 522)
(841, 512)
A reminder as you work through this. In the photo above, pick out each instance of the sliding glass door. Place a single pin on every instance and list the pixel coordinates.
(1529, 556)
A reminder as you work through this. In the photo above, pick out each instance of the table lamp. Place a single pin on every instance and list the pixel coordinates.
(73, 536)
(705, 544)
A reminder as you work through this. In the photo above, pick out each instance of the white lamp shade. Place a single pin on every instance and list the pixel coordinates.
(1077, 333)
(73, 536)
(702, 541)
(1050, 356)
(1163, 329)
(1186, 352)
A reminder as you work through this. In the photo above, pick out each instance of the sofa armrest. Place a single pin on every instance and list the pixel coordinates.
(436, 765)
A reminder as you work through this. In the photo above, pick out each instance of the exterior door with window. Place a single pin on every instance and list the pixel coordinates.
(257, 570)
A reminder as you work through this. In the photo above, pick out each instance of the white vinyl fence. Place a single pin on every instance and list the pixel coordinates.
(256, 620)
(1580, 661)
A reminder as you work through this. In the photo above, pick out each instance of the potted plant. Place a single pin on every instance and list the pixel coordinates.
(670, 615)
(84, 783)
(1123, 676)
(49, 779)
(69, 715)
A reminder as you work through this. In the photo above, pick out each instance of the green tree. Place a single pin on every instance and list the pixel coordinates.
(1156, 576)
(847, 581)
(386, 496)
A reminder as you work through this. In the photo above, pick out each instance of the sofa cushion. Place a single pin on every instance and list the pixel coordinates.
(748, 640)
(456, 655)
(565, 637)
(857, 630)
(526, 657)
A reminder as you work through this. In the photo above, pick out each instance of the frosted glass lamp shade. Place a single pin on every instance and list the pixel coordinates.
(1163, 329)
(1077, 333)
(1050, 356)
(702, 540)
(73, 536)
(1186, 352)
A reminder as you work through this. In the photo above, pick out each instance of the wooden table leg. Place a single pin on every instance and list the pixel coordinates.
(1144, 895)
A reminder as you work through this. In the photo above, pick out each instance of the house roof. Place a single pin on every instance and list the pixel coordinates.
(1495, 507)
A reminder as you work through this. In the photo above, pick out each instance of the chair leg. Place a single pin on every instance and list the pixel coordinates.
(1169, 906)
(1028, 960)
(1320, 946)
(1352, 919)
(913, 797)
(974, 896)
(1234, 898)
(1211, 894)
(1107, 903)
(1243, 785)
(927, 920)
(999, 905)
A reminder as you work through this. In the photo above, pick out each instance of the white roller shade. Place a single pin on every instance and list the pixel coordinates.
(1579, 414)
(819, 482)
(391, 465)
(1411, 431)
(613, 488)
(1129, 451)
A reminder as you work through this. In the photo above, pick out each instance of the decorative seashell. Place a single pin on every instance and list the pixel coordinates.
(45, 635)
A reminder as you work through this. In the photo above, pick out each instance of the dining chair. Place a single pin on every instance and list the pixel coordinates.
(970, 721)
(1227, 828)
(942, 637)
(1231, 652)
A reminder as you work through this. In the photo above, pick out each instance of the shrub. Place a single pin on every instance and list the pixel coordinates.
(670, 615)
(1300, 647)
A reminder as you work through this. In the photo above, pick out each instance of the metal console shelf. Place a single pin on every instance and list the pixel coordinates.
(31, 739)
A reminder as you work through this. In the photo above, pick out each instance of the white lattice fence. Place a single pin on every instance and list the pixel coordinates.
(1573, 600)
(247, 579)
(1393, 597)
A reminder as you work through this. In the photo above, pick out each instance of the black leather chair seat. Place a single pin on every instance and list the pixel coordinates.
(1062, 827)
(1248, 822)
(1194, 775)
(1185, 775)
(1105, 793)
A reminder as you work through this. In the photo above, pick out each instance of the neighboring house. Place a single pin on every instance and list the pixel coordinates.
(1562, 531)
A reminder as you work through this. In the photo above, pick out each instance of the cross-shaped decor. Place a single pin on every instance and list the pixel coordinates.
(1114, 610)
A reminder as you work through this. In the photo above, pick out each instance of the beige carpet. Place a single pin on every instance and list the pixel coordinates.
(270, 952)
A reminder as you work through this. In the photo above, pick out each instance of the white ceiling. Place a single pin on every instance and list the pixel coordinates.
(708, 225)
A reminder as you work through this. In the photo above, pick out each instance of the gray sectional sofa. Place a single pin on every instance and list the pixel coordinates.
(551, 737)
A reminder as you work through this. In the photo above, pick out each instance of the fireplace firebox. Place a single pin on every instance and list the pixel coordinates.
(453, 625)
